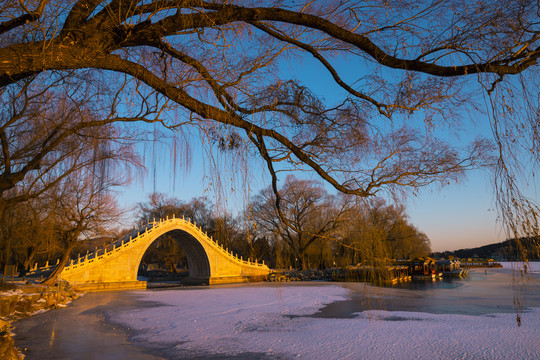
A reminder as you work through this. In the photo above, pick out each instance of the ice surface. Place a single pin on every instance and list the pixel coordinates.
(272, 321)
(532, 266)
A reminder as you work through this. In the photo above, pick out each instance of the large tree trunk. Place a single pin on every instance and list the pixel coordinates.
(31, 253)
(51, 280)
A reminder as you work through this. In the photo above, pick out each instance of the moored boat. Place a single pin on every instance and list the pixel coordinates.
(451, 268)
(423, 268)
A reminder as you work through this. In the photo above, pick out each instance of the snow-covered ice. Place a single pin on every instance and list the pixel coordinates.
(274, 322)
(533, 266)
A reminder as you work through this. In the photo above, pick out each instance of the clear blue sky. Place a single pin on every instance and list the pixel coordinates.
(461, 215)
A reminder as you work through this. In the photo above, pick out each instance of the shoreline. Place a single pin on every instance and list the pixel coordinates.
(24, 302)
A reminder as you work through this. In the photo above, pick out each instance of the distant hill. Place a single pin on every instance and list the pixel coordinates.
(504, 251)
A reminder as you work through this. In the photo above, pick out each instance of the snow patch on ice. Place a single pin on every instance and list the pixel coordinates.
(259, 319)
(532, 266)
(40, 311)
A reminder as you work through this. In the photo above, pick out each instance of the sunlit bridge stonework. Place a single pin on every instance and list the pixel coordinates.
(116, 266)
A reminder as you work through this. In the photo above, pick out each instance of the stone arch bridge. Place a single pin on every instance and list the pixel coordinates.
(116, 266)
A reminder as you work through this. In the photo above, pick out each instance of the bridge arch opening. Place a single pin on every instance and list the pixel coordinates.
(193, 255)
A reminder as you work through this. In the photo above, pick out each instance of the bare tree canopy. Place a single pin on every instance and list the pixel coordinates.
(308, 214)
(48, 132)
(219, 62)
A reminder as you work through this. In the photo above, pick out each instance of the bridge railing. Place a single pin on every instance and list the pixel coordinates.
(110, 250)
(146, 230)
(36, 270)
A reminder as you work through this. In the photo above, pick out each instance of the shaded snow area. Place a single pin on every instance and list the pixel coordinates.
(273, 323)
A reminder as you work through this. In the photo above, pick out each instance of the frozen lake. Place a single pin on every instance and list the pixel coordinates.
(467, 319)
